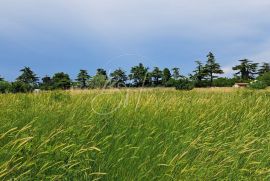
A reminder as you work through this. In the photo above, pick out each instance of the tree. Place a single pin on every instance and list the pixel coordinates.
(4, 86)
(184, 84)
(1, 78)
(199, 73)
(20, 87)
(61, 81)
(46, 80)
(212, 68)
(98, 81)
(156, 74)
(176, 73)
(265, 78)
(166, 76)
(264, 68)
(28, 77)
(118, 78)
(139, 75)
(47, 83)
(101, 71)
(246, 69)
(83, 78)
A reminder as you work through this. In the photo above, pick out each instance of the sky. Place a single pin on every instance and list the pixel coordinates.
(65, 35)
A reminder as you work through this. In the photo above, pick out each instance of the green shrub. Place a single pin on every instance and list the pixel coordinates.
(20, 87)
(202, 83)
(239, 80)
(184, 84)
(170, 83)
(4, 87)
(265, 78)
(256, 84)
(98, 81)
(224, 82)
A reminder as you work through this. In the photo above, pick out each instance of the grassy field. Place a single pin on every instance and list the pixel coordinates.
(149, 134)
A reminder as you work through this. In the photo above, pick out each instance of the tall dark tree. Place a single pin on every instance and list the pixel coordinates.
(83, 78)
(212, 67)
(166, 76)
(118, 78)
(199, 73)
(28, 77)
(46, 80)
(265, 67)
(156, 74)
(61, 81)
(101, 71)
(1, 78)
(47, 83)
(246, 69)
(176, 73)
(139, 75)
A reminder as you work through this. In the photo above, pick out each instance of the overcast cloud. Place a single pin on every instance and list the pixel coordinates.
(150, 28)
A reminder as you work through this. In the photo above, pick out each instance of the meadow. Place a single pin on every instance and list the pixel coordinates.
(148, 134)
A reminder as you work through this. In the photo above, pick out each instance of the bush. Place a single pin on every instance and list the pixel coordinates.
(224, 82)
(202, 83)
(265, 78)
(98, 81)
(239, 80)
(170, 83)
(21, 87)
(4, 87)
(184, 84)
(46, 87)
(256, 84)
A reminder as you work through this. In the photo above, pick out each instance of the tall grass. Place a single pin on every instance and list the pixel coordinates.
(135, 135)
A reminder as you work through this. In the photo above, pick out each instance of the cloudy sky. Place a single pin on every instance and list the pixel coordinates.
(67, 35)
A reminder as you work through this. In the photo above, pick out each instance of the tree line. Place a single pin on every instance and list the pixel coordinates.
(205, 75)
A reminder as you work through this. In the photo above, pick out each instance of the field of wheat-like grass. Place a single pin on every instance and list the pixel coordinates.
(151, 134)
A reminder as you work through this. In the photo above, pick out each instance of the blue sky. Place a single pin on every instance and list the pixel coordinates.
(67, 35)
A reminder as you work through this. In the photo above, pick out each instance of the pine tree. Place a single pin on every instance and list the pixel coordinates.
(265, 67)
(246, 69)
(212, 68)
(166, 76)
(28, 77)
(118, 78)
(139, 75)
(83, 78)
(199, 73)
(156, 74)
(47, 83)
(176, 73)
(61, 81)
